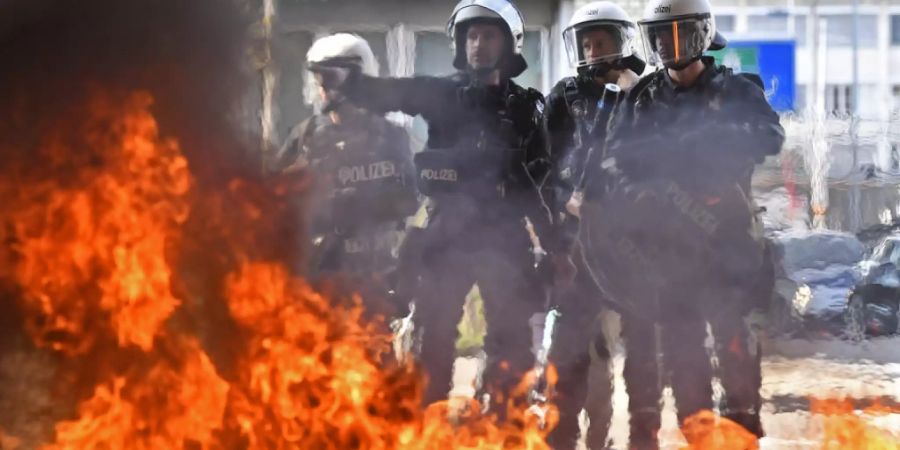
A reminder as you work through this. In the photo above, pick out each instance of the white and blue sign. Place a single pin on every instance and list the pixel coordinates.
(773, 60)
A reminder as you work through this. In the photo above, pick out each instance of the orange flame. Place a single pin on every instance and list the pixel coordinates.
(95, 244)
(707, 431)
(168, 405)
(93, 234)
(313, 379)
(845, 429)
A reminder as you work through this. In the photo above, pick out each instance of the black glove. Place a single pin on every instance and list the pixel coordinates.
(335, 71)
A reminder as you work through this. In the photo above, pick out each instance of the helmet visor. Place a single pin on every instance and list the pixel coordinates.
(676, 42)
(598, 42)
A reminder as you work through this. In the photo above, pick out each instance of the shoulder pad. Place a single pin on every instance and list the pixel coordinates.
(561, 84)
(537, 98)
(642, 84)
(534, 95)
(570, 86)
(568, 89)
(753, 78)
(526, 97)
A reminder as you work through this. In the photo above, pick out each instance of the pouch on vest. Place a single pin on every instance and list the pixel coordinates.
(437, 172)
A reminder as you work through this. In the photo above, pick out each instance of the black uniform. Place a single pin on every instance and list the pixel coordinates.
(486, 153)
(570, 116)
(364, 189)
(686, 239)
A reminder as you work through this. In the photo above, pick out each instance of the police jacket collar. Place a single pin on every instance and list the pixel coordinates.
(706, 77)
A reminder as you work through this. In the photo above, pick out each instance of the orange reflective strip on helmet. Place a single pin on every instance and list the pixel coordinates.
(676, 41)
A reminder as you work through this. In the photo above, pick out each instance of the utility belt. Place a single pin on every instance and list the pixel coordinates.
(381, 241)
(371, 250)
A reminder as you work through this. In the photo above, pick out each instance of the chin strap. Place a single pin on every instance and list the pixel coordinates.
(683, 65)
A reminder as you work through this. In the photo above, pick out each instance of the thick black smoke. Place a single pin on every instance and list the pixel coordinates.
(194, 58)
(190, 55)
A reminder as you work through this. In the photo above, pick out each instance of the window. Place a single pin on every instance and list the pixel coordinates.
(531, 50)
(800, 29)
(840, 30)
(838, 99)
(767, 24)
(800, 97)
(725, 23)
(378, 42)
(289, 54)
(433, 54)
(895, 107)
(895, 29)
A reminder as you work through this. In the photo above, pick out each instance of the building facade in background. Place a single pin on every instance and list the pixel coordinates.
(409, 37)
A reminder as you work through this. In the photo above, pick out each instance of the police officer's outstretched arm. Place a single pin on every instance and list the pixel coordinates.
(430, 97)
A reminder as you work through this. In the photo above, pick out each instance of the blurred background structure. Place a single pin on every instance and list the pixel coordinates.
(823, 36)
(830, 67)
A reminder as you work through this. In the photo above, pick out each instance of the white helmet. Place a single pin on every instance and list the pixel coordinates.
(343, 48)
(603, 15)
(677, 32)
(496, 10)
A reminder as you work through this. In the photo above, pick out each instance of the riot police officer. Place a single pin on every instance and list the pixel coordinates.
(679, 157)
(364, 185)
(599, 40)
(485, 161)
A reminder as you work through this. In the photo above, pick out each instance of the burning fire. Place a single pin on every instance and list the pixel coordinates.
(707, 431)
(845, 429)
(97, 227)
(91, 242)
(175, 401)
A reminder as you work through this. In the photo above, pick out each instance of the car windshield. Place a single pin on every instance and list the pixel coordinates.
(895, 253)
(884, 252)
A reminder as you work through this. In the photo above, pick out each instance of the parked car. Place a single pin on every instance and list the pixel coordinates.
(873, 307)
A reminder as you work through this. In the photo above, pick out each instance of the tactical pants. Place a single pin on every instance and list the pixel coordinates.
(500, 261)
(739, 355)
(576, 338)
(673, 351)
(737, 346)
(666, 351)
(339, 269)
(673, 297)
